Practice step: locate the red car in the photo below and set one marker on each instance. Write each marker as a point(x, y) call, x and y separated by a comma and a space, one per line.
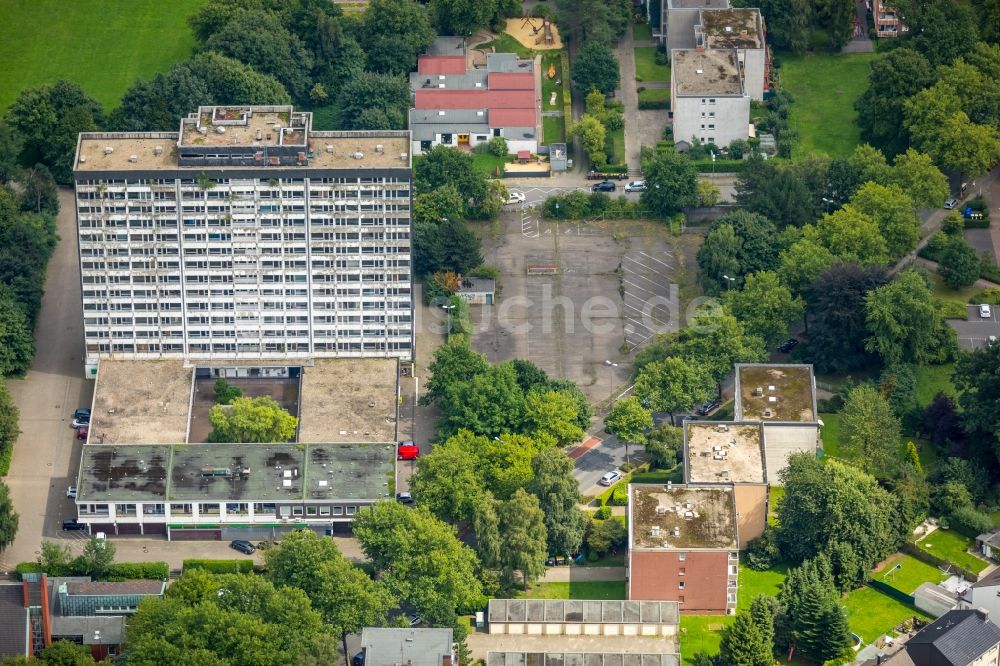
point(82, 432)
point(407, 451)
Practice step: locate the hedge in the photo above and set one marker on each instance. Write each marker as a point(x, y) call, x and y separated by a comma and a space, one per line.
point(220, 566)
point(982, 223)
point(612, 168)
point(654, 103)
point(27, 567)
point(719, 166)
point(137, 570)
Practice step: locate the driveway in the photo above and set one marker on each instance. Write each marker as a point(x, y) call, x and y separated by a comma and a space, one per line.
point(975, 333)
point(47, 454)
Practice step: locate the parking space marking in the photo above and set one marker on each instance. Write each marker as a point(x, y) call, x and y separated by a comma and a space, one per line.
point(645, 277)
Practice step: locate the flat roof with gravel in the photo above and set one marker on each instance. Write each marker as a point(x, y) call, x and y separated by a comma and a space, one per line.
point(257, 472)
point(775, 393)
point(141, 402)
point(678, 517)
point(348, 400)
point(708, 72)
point(733, 28)
point(723, 452)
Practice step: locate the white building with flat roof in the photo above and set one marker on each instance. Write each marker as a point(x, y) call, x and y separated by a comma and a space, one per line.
point(245, 235)
point(707, 96)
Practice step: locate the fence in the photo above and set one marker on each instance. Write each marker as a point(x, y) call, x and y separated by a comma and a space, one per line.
point(892, 592)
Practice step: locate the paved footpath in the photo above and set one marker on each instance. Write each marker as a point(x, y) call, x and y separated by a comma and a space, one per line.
point(576, 574)
point(629, 96)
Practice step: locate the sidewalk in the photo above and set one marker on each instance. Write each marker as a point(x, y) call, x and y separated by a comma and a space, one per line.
point(625, 52)
point(575, 574)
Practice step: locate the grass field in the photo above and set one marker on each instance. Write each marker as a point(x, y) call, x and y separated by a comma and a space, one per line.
point(932, 379)
point(488, 164)
point(103, 46)
point(617, 144)
point(774, 496)
point(701, 633)
point(641, 32)
point(952, 546)
point(646, 68)
point(549, 86)
point(507, 44)
point(614, 589)
point(754, 583)
point(830, 434)
point(871, 614)
point(825, 87)
point(655, 95)
point(911, 574)
point(553, 129)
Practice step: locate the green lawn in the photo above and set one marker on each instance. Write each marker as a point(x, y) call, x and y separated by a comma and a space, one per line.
point(507, 44)
point(617, 142)
point(655, 95)
point(754, 583)
point(825, 87)
point(549, 86)
point(553, 129)
point(701, 633)
point(871, 614)
point(614, 589)
point(952, 546)
point(488, 164)
point(646, 68)
point(830, 434)
point(911, 574)
point(103, 46)
point(774, 495)
point(932, 379)
point(953, 301)
point(641, 32)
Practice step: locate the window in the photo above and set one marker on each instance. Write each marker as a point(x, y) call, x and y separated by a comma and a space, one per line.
point(125, 509)
point(496, 131)
point(180, 509)
point(682, 556)
point(237, 508)
point(324, 511)
point(711, 126)
point(208, 509)
point(351, 510)
point(310, 511)
point(680, 585)
point(711, 101)
point(338, 510)
point(733, 570)
point(296, 510)
point(681, 572)
point(152, 509)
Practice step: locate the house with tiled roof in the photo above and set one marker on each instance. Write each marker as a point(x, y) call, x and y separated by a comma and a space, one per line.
point(458, 105)
point(957, 638)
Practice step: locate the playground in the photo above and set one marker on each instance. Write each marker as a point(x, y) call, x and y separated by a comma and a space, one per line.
point(535, 33)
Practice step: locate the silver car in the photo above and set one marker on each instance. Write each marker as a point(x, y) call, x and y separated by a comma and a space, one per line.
point(636, 186)
point(610, 478)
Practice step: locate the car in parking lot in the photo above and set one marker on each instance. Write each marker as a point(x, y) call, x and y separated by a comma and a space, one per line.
point(358, 659)
point(242, 546)
point(610, 478)
point(72, 524)
point(710, 406)
point(404, 498)
point(950, 203)
point(985, 311)
point(407, 450)
point(636, 186)
point(82, 413)
point(82, 432)
point(81, 421)
point(71, 492)
point(515, 197)
point(603, 186)
point(788, 345)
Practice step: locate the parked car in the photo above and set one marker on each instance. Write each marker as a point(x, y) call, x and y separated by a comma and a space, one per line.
point(407, 450)
point(72, 524)
point(81, 421)
point(82, 432)
point(985, 311)
point(82, 413)
point(358, 659)
point(515, 197)
point(788, 345)
point(950, 203)
point(707, 407)
point(636, 186)
point(242, 546)
point(404, 498)
point(413, 619)
point(603, 186)
point(610, 478)
point(71, 492)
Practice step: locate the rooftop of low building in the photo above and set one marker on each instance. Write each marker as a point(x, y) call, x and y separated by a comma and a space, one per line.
point(349, 400)
point(678, 517)
point(141, 402)
point(717, 452)
point(768, 392)
point(706, 72)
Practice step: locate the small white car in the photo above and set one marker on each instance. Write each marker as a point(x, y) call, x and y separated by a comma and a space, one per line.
point(985, 312)
point(71, 492)
point(610, 478)
point(515, 197)
point(992, 341)
point(636, 186)
point(950, 203)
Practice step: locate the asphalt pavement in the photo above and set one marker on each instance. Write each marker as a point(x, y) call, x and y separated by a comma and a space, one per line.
point(975, 332)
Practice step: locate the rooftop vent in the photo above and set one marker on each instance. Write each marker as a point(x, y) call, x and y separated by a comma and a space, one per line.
point(772, 398)
point(654, 531)
point(158, 150)
point(259, 135)
point(379, 148)
point(83, 158)
point(108, 150)
point(661, 510)
point(729, 29)
point(357, 155)
point(441, 113)
point(440, 85)
point(670, 485)
point(771, 388)
point(202, 130)
point(677, 532)
point(768, 413)
point(700, 71)
point(329, 148)
point(759, 391)
point(220, 130)
point(133, 158)
point(688, 515)
point(403, 156)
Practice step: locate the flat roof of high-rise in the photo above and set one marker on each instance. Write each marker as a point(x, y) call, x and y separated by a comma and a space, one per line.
point(679, 517)
point(773, 392)
point(723, 452)
point(732, 28)
point(707, 72)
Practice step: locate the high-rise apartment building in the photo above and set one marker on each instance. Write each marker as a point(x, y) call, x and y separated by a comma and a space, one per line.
point(245, 235)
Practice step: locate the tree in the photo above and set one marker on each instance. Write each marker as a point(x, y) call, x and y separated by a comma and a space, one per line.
point(763, 609)
point(65, 653)
point(558, 493)
point(777, 193)
point(446, 480)
point(17, 345)
point(97, 557)
point(11, 144)
point(374, 101)
point(827, 501)
point(490, 404)
point(591, 132)
point(40, 193)
point(905, 325)
point(8, 517)
point(629, 420)
point(258, 39)
point(593, 21)
point(749, 249)
point(852, 236)
point(503, 463)
point(246, 420)
point(228, 619)
point(958, 264)
point(393, 32)
point(595, 66)
point(894, 214)
point(454, 364)
point(225, 392)
point(55, 559)
point(802, 263)
point(461, 17)
point(718, 256)
point(716, 341)
point(941, 31)
point(917, 176)
point(670, 184)
point(552, 414)
point(977, 378)
point(941, 422)
point(839, 313)
point(835, 18)
point(9, 429)
point(522, 530)
point(871, 431)
point(486, 526)
point(743, 645)
point(673, 385)
point(708, 194)
point(49, 118)
point(341, 593)
point(445, 245)
point(663, 446)
point(765, 306)
point(421, 560)
point(939, 127)
point(787, 23)
point(606, 536)
point(442, 166)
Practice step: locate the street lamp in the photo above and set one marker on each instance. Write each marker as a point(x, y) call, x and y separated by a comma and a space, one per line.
point(611, 368)
point(448, 309)
point(728, 280)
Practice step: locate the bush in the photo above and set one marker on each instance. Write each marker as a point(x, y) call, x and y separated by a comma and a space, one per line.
point(603, 513)
point(541, 11)
point(485, 271)
point(645, 103)
point(498, 146)
point(762, 552)
point(220, 566)
point(834, 404)
point(990, 295)
point(27, 568)
point(619, 496)
point(970, 522)
point(139, 570)
point(719, 166)
point(661, 58)
point(978, 203)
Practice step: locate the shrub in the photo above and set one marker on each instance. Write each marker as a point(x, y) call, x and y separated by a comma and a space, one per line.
point(990, 295)
point(541, 11)
point(977, 203)
point(485, 271)
point(762, 552)
point(498, 146)
point(971, 522)
point(603, 513)
point(833, 404)
point(661, 58)
point(137, 570)
point(220, 566)
point(619, 496)
point(27, 567)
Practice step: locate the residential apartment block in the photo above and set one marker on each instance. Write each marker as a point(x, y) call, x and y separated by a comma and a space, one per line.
point(886, 19)
point(245, 235)
point(707, 97)
point(683, 546)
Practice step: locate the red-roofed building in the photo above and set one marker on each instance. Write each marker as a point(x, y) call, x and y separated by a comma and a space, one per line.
point(455, 106)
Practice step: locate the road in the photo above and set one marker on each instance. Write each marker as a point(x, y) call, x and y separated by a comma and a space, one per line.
point(47, 454)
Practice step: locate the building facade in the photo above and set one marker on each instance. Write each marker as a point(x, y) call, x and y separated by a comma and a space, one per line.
point(245, 234)
point(708, 99)
point(886, 19)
